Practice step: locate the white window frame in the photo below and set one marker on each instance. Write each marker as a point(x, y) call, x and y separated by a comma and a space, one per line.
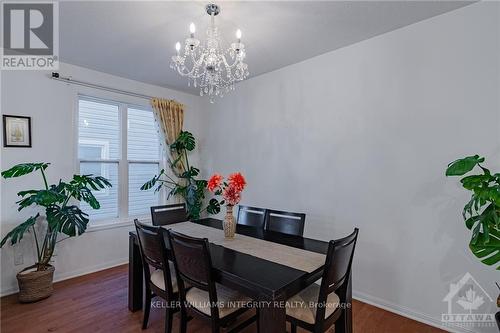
point(122, 161)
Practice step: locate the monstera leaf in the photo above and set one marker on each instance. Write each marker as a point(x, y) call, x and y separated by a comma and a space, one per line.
point(69, 220)
point(87, 196)
point(80, 188)
point(17, 233)
point(486, 246)
point(213, 206)
point(95, 183)
point(43, 198)
point(185, 141)
point(152, 182)
point(23, 169)
point(192, 172)
point(461, 166)
point(157, 179)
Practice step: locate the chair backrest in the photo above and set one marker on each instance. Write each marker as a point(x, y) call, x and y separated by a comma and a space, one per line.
point(168, 214)
point(337, 270)
point(193, 264)
point(285, 222)
point(153, 251)
point(192, 259)
point(251, 216)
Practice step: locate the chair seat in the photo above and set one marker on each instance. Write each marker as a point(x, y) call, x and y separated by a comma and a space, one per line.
point(157, 278)
point(229, 300)
point(302, 305)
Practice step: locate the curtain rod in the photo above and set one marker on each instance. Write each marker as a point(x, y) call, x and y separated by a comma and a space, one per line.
point(56, 76)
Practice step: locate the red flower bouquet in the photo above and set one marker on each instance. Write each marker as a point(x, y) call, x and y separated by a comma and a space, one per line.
point(231, 194)
point(230, 190)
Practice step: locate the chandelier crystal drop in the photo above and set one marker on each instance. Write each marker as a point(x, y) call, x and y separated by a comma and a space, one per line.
point(208, 65)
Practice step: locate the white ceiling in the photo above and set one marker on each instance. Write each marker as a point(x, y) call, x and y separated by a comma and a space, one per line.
point(135, 39)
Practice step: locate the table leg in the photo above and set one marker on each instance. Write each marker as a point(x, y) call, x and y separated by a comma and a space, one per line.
point(135, 275)
point(272, 318)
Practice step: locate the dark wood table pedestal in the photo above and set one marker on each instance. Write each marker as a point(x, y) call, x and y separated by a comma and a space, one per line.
point(272, 317)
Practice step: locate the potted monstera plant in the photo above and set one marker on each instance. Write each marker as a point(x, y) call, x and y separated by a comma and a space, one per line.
point(482, 212)
point(62, 216)
point(186, 182)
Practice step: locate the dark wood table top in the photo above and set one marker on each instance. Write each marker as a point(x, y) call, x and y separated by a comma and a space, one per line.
point(259, 278)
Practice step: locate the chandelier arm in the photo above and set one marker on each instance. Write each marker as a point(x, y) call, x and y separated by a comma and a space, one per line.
point(236, 61)
point(189, 73)
point(181, 73)
point(184, 73)
point(196, 64)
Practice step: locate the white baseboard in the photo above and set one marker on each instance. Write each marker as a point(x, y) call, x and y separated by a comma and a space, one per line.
point(72, 274)
point(408, 313)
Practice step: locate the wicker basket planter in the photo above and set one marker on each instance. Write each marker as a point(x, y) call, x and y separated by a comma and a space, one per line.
point(35, 285)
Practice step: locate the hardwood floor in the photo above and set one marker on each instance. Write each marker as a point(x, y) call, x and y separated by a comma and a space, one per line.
point(98, 303)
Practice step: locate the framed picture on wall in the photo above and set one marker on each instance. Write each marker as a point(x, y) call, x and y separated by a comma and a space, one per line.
point(16, 131)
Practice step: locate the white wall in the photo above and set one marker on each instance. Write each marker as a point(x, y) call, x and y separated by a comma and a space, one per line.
point(52, 108)
point(361, 137)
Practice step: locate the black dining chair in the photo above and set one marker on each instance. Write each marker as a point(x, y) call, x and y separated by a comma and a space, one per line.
point(251, 216)
point(159, 273)
point(168, 214)
point(285, 222)
point(206, 298)
point(317, 308)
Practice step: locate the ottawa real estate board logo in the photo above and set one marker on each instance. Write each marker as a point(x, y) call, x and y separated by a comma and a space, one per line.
point(30, 35)
point(469, 305)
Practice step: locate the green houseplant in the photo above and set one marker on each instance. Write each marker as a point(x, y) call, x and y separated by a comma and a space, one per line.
point(187, 184)
point(62, 216)
point(482, 212)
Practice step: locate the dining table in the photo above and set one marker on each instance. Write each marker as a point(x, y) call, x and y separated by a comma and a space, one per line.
point(263, 268)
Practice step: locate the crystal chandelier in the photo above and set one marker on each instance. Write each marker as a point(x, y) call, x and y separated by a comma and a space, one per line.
point(209, 66)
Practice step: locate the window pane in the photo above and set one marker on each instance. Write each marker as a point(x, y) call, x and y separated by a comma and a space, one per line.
point(143, 142)
point(108, 198)
point(98, 130)
point(89, 151)
point(141, 201)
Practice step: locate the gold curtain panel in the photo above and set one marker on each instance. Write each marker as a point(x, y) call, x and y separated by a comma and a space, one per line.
point(170, 116)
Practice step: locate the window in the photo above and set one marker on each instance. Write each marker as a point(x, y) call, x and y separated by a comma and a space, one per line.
point(143, 154)
point(120, 142)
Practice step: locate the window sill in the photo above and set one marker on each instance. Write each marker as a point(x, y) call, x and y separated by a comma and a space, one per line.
point(116, 223)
